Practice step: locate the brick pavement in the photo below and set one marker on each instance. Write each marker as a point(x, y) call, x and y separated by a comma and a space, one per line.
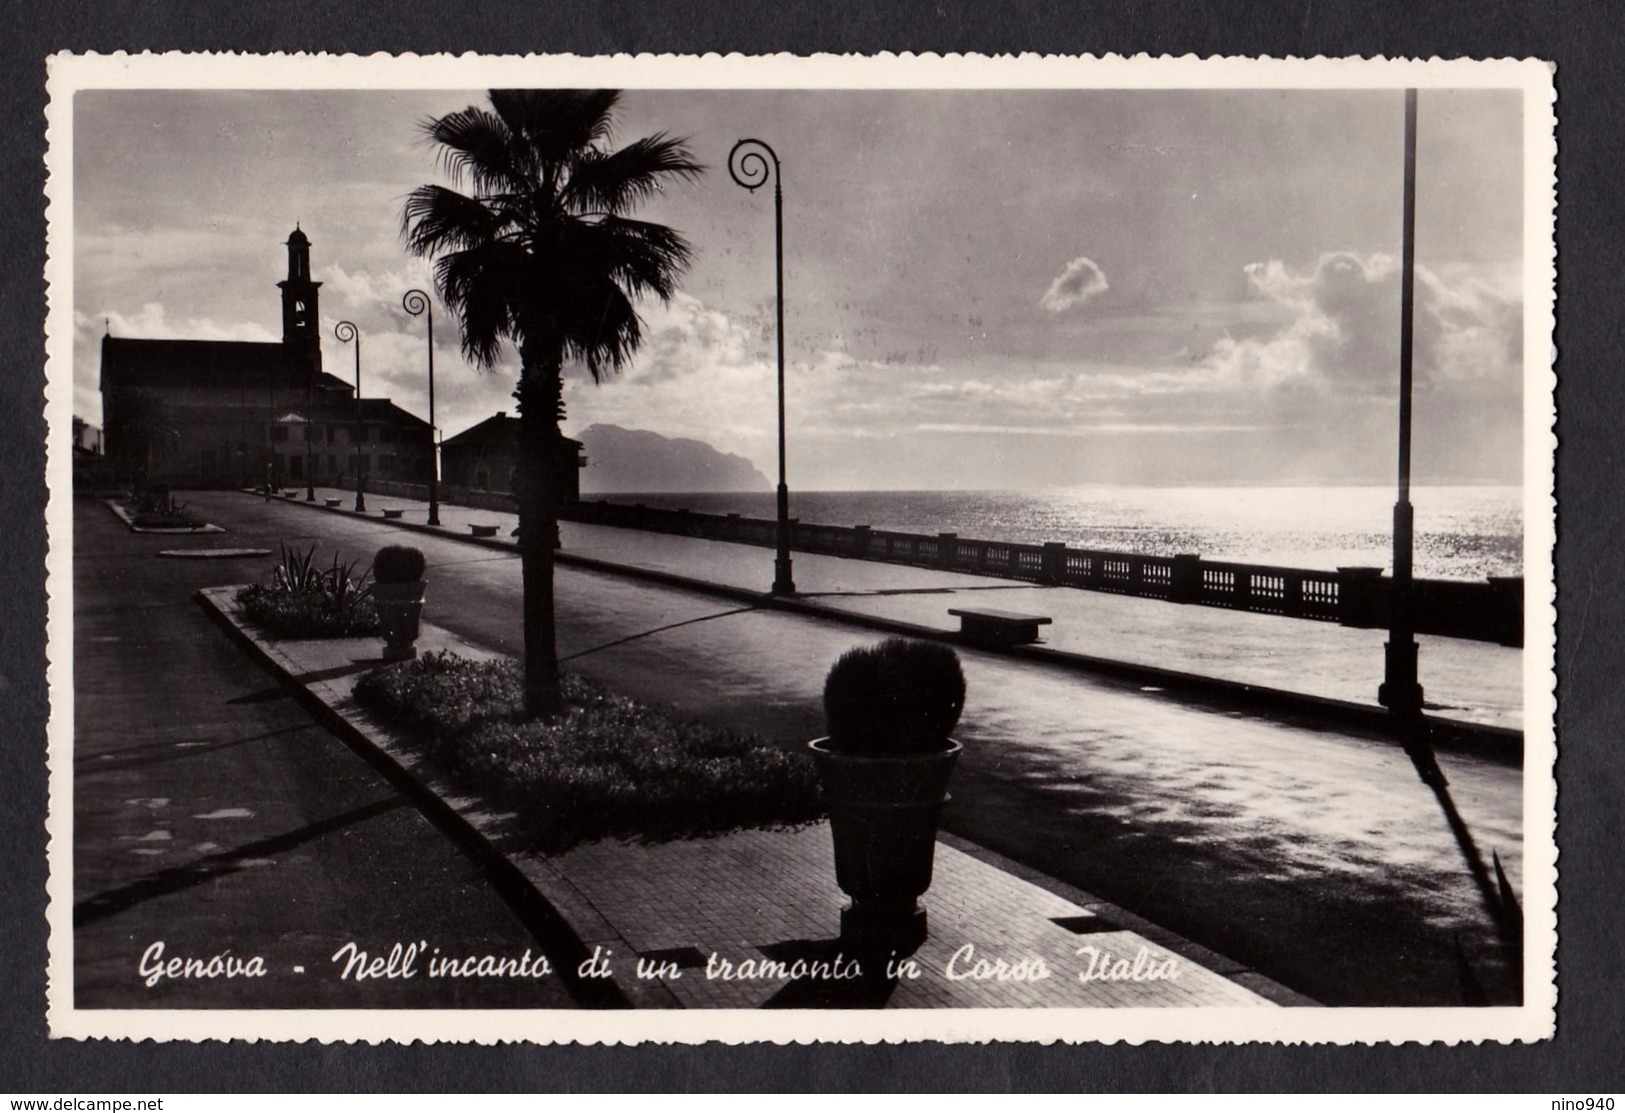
point(755, 895)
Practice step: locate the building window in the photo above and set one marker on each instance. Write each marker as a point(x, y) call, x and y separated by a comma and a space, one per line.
point(279, 433)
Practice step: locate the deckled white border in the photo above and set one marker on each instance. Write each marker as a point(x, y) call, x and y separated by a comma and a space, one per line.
point(1533, 1020)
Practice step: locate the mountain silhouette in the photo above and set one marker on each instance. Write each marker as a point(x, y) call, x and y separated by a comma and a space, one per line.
point(634, 460)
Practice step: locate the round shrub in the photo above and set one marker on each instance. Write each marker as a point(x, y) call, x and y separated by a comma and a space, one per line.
point(398, 564)
point(898, 697)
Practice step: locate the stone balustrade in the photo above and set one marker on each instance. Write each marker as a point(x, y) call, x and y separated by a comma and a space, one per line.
point(1484, 611)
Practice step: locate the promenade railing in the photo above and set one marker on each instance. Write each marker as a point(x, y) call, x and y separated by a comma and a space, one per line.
point(1488, 610)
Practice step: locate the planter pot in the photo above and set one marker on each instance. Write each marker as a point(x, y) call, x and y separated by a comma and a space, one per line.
point(883, 815)
point(400, 607)
point(393, 515)
point(331, 502)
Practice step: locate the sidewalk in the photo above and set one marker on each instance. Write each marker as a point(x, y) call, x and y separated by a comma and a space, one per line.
point(703, 909)
point(1469, 682)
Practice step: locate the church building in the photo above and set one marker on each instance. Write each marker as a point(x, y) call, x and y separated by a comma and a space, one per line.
point(225, 413)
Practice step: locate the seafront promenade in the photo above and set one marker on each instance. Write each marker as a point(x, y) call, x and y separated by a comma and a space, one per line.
point(1466, 681)
point(750, 919)
point(1284, 842)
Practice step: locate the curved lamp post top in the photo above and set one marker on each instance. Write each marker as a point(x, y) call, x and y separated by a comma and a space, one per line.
point(747, 164)
point(346, 332)
point(415, 302)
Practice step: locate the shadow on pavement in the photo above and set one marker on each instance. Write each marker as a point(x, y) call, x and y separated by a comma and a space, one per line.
point(205, 870)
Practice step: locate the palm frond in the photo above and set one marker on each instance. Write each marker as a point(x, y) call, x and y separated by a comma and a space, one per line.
point(540, 254)
point(487, 287)
point(436, 218)
point(613, 181)
point(476, 146)
point(607, 330)
point(556, 125)
point(646, 258)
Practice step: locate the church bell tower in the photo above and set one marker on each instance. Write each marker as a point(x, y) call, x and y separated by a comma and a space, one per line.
point(300, 323)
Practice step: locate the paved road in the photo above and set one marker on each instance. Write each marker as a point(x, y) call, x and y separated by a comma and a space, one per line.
point(1471, 681)
point(1313, 856)
point(212, 813)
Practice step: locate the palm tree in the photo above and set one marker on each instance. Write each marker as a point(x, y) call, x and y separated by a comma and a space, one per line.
point(539, 253)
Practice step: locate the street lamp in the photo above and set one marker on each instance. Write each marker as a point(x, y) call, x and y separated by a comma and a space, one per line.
point(416, 302)
point(1400, 692)
point(347, 332)
point(747, 165)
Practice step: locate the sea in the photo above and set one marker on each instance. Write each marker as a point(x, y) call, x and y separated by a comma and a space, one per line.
point(1462, 532)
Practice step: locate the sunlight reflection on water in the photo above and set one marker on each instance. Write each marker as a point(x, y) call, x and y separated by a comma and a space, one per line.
point(1461, 532)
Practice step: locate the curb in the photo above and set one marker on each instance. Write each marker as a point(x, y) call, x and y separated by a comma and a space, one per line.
point(1501, 744)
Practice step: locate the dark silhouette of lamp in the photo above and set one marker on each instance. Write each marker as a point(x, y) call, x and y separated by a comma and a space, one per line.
point(748, 166)
point(417, 302)
point(1400, 691)
point(346, 332)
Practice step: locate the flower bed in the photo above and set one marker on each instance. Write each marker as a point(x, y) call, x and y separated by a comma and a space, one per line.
point(607, 766)
point(156, 509)
point(304, 601)
point(306, 616)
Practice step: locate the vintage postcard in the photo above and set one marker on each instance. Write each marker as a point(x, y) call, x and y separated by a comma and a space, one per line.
point(843, 549)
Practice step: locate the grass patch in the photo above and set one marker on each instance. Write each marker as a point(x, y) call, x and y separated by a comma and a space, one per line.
point(608, 766)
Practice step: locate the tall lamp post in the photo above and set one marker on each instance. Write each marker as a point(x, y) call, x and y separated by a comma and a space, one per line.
point(1400, 692)
point(747, 165)
point(417, 302)
point(346, 332)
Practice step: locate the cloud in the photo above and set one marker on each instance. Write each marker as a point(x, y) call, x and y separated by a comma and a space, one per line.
point(367, 288)
point(1472, 325)
point(152, 322)
point(699, 373)
point(1080, 283)
point(1343, 329)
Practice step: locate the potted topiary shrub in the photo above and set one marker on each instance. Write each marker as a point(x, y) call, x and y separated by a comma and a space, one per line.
point(885, 766)
point(397, 589)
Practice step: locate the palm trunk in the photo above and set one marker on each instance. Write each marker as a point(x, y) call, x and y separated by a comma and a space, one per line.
point(540, 397)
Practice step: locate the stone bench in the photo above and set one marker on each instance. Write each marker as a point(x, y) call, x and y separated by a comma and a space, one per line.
point(998, 627)
point(393, 514)
point(331, 502)
point(482, 531)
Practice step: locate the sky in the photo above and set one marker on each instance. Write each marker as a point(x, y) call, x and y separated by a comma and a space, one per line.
point(988, 289)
